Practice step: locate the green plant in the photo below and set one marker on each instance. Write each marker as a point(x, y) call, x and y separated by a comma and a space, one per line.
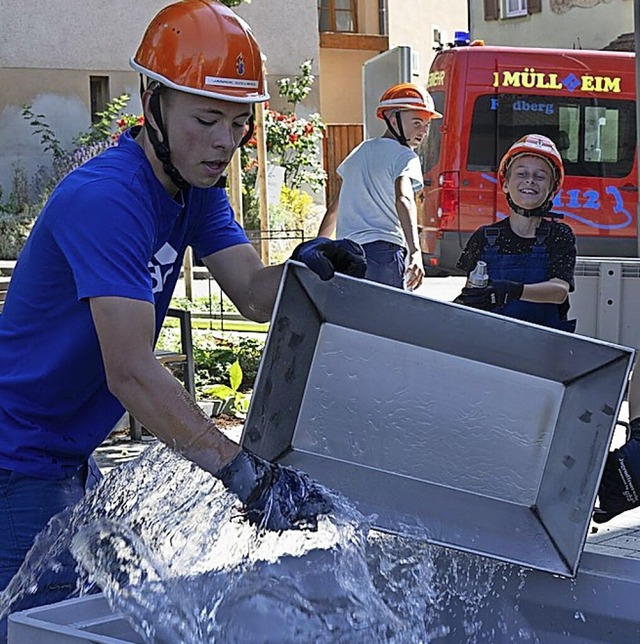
point(102, 130)
point(214, 352)
point(14, 230)
point(298, 203)
point(48, 139)
point(239, 400)
point(296, 90)
point(292, 142)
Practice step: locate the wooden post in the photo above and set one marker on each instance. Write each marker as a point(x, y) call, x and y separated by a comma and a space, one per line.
point(263, 203)
point(235, 185)
point(188, 274)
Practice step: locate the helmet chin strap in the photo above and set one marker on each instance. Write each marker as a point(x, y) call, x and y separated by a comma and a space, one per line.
point(161, 148)
point(398, 134)
point(538, 211)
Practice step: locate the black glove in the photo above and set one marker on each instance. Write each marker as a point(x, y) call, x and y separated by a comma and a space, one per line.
point(620, 485)
point(493, 296)
point(325, 257)
point(275, 497)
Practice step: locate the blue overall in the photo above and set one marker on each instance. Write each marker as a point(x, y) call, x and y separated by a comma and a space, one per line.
point(526, 268)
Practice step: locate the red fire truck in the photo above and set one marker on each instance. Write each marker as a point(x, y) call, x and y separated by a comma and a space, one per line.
point(490, 96)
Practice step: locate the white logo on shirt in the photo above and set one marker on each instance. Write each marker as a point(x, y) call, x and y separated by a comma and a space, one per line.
point(162, 266)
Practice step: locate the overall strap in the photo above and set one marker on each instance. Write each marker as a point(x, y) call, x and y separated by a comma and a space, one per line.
point(491, 235)
point(542, 232)
point(490, 252)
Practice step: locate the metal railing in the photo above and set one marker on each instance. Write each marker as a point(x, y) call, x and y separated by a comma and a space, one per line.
point(222, 314)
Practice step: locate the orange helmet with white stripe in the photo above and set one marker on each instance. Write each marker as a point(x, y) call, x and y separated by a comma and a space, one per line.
point(407, 96)
point(536, 145)
point(203, 47)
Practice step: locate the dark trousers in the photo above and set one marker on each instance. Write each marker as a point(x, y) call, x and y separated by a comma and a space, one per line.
point(26, 505)
point(385, 263)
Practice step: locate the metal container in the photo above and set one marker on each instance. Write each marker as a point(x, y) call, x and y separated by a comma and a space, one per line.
point(85, 619)
point(606, 301)
point(465, 428)
point(598, 606)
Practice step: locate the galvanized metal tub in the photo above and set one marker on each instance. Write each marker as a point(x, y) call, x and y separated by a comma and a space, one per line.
point(599, 605)
point(475, 431)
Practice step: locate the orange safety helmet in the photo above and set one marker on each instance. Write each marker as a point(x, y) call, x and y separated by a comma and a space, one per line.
point(202, 47)
point(407, 96)
point(536, 145)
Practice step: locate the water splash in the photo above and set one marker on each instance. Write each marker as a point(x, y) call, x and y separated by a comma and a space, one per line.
point(171, 551)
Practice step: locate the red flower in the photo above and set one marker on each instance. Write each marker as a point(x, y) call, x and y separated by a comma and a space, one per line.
point(253, 163)
point(293, 138)
point(140, 119)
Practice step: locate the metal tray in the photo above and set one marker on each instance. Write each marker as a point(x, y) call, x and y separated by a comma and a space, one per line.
point(467, 429)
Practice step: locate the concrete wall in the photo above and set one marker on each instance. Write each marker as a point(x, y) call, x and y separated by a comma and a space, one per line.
point(580, 27)
point(341, 84)
point(412, 23)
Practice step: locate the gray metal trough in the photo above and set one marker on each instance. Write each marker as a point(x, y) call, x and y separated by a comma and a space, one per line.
point(600, 605)
point(478, 432)
point(469, 430)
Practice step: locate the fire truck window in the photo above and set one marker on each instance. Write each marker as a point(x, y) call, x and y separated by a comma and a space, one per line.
point(601, 135)
point(568, 141)
point(595, 137)
point(482, 141)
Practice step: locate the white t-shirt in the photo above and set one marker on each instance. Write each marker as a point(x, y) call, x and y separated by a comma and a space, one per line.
point(366, 210)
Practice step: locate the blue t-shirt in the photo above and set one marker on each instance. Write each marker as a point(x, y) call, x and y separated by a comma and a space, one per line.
point(108, 229)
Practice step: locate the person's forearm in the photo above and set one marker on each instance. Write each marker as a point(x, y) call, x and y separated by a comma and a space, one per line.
point(158, 401)
point(262, 293)
point(408, 216)
point(545, 293)
point(328, 224)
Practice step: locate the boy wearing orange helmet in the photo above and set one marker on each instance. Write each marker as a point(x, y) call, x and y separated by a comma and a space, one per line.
point(97, 273)
point(530, 256)
point(375, 205)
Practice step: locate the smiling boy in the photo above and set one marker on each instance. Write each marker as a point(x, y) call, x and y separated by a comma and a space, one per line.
point(530, 256)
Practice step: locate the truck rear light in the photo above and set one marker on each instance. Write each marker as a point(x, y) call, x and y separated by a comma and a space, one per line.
point(448, 197)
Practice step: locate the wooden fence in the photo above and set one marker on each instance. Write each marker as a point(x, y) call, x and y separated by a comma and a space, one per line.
point(339, 140)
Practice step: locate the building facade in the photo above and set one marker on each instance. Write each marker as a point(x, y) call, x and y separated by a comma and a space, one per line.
point(564, 24)
point(66, 59)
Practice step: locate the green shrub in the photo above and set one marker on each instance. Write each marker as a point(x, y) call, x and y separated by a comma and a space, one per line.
point(214, 353)
point(239, 401)
point(14, 230)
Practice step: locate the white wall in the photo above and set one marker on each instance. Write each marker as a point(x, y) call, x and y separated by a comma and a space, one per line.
point(412, 23)
point(286, 30)
point(72, 34)
point(578, 27)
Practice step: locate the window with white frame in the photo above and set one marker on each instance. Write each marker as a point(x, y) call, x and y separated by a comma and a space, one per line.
point(514, 8)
